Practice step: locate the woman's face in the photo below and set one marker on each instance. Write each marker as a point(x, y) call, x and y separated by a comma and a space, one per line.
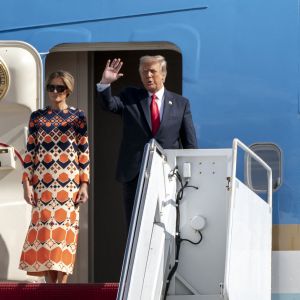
point(57, 91)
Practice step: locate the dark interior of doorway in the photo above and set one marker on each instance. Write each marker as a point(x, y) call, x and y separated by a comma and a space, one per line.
point(109, 223)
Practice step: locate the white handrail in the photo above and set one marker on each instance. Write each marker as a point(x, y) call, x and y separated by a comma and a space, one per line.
point(237, 143)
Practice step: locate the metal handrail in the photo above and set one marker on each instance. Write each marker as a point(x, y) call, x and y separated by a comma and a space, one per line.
point(150, 147)
point(237, 143)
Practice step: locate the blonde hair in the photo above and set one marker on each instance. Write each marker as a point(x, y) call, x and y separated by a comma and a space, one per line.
point(156, 59)
point(66, 77)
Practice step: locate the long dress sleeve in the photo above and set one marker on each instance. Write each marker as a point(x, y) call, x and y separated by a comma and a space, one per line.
point(30, 150)
point(83, 149)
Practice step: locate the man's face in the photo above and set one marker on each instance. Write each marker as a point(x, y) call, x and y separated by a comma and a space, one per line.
point(152, 77)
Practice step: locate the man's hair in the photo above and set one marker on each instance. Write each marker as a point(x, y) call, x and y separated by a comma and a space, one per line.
point(156, 59)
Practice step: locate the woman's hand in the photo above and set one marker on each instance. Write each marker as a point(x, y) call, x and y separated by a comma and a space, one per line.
point(28, 193)
point(82, 195)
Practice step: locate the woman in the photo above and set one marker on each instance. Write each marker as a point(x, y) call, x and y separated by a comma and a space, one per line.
point(55, 181)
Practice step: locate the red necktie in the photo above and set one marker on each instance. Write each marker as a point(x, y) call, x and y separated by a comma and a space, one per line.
point(155, 118)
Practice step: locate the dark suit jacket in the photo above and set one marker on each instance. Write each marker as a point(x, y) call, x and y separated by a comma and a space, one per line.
point(176, 128)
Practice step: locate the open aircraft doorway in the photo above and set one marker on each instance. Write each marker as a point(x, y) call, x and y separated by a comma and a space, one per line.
point(103, 233)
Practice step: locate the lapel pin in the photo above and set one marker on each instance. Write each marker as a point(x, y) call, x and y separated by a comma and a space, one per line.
point(170, 102)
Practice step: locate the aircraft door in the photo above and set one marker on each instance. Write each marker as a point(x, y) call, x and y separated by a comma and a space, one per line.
point(20, 94)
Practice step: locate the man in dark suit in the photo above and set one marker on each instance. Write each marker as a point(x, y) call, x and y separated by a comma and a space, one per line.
point(152, 112)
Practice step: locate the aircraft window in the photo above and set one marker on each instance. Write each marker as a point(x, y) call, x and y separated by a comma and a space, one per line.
point(256, 175)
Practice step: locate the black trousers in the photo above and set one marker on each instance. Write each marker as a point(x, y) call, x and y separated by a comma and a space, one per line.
point(129, 190)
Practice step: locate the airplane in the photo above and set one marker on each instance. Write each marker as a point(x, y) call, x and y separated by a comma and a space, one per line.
point(236, 62)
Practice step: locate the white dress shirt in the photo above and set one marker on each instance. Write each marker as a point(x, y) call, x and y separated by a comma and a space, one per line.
point(102, 86)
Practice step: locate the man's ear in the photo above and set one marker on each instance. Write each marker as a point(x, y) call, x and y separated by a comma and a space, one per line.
point(164, 78)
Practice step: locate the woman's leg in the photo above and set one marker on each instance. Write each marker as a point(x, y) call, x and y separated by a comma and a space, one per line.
point(62, 277)
point(51, 276)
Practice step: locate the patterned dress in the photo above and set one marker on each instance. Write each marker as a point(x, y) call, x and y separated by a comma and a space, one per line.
point(56, 163)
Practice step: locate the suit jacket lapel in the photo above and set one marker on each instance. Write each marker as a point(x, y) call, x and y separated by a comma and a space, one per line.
point(168, 104)
point(146, 108)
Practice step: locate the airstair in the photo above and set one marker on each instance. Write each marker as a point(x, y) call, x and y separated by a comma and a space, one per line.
point(197, 232)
